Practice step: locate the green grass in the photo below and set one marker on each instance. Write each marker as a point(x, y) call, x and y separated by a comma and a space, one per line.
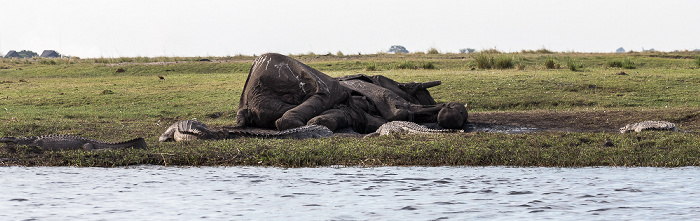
point(406, 65)
point(573, 66)
point(541, 149)
point(628, 64)
point(87, 97)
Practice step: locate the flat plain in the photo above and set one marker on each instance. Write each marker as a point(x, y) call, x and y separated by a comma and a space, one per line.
point(577, 100)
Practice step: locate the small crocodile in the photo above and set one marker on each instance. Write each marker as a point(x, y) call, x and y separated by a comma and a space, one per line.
point(193, 130)
point(648, 125)
point(407, 127)
point(70, 142)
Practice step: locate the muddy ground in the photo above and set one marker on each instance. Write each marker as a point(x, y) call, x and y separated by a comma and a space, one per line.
point(687, 119)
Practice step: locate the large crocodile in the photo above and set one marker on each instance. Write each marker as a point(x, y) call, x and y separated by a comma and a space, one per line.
point(193, 130)
point(408, 127)
point(70, 142)
point(648, 125)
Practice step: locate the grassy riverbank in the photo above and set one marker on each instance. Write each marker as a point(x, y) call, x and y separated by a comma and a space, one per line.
point(581, 109)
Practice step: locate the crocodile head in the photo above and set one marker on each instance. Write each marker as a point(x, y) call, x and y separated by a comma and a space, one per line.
point(8, 140)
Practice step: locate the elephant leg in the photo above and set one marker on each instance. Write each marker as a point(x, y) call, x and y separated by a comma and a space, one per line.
point(333, 119)
point(312, 107)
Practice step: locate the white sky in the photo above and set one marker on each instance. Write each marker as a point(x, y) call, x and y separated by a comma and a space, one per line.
point(126, 28)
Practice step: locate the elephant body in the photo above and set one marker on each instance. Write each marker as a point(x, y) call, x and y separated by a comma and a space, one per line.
point(283, 93)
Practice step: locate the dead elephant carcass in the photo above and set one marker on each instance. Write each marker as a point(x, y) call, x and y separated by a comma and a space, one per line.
point(283, 93)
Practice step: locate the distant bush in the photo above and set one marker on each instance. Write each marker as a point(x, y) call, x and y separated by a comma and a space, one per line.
point(549, 63)
point(339, 53)
point(27, 54)
point(433, 51)
point(398, 49)
point(697, 60)
point(466, 50)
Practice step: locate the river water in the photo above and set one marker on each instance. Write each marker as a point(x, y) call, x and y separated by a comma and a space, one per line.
point(348, 193)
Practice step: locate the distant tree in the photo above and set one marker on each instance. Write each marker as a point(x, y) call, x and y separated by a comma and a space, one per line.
point(398, 49)
point(467, 50)
point(27, 54)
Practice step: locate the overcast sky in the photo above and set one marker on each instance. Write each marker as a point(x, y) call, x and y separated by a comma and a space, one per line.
point(126, 28)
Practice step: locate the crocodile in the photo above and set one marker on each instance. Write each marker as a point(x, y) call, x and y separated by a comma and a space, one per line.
point(70, 142)
point(648, 125)
point(395, 127)
point(187, 130)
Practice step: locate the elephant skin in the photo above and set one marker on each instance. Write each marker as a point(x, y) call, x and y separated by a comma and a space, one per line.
point(283, 93)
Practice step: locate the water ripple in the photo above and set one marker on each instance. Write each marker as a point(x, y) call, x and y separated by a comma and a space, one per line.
point(348, 193)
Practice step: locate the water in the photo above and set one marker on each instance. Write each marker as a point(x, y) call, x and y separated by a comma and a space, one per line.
point(348, 193)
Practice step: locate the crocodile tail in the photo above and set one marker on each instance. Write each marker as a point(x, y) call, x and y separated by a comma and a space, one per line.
point(136, 143)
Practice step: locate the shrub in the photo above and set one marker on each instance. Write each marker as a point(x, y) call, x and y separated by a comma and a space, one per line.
point(503, 62)
point(483, 61)
point(628, 64)
point(339, 53)
point(697, 60)
point(549, 63)
point(433, 51)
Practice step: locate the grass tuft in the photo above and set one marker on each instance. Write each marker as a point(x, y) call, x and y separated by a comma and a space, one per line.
point(573, 66)
point(503, 62)
point(549, 63)
point(483, 61)
point(371, 67)
point(628, 64)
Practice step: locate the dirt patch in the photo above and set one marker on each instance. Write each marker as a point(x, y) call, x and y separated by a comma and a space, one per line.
point(587, 121)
